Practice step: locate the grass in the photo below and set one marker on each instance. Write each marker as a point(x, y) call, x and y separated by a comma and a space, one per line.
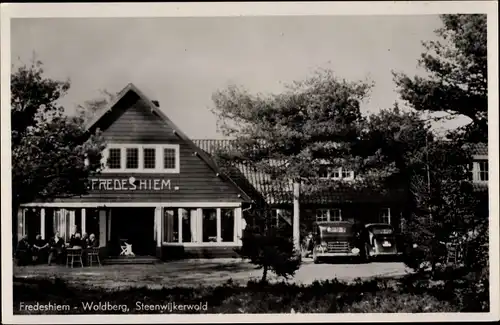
point(320, 297)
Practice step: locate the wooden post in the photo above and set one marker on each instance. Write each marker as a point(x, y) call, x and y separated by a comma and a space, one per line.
point(84, 220)
point(42, 223)
point(219, 225)
point(102, 228)
point(179, 224)
point(296, 216)
point(158, 222)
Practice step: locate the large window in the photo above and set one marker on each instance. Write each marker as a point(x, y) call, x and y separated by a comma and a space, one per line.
point(150, 158)
point(200, 226)
point(328, 215)
point(209, 223)
point(189, 225)
point(171, 226)
point(227, 225)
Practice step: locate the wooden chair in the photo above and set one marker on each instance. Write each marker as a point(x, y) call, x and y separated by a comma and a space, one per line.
point(93, 256)
point(126, 248)
point(74, 255)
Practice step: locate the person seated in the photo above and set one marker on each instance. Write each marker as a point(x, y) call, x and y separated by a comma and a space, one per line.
point(23, 251)
point(76, 241)
point(92, 241)
point(85, 240)
point(40, 249)
point(56, 244)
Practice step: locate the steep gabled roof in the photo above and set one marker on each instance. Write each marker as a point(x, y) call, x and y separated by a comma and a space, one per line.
point(177, 131)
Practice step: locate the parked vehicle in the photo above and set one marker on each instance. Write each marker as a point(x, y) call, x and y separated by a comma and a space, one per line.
point(336, 239)
point(380, 240)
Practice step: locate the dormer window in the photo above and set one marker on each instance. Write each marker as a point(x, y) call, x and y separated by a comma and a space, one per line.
point(149, 158)
point(330, 172)
point(138, 158)
point(132, 158)
point(114, 161)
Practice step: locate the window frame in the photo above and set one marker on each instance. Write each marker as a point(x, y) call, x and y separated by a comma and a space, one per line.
point(159, 158)
point(381, 215)
point(329, 217)
point(196, 239)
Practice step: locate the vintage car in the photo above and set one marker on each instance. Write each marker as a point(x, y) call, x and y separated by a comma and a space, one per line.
point(335, 239)
point(380, 240)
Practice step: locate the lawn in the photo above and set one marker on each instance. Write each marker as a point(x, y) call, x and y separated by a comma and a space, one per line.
point(195, 272)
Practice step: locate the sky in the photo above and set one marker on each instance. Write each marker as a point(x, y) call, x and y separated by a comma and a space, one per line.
point(181, 61)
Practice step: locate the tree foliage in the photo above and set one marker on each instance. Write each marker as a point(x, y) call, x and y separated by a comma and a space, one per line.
point(33, 98)
point(52, 153)
point(457, 81)
point(91, 108)
point(269, 246)
point(291, 134)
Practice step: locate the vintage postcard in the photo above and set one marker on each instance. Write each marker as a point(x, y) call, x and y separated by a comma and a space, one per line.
point(236, 162)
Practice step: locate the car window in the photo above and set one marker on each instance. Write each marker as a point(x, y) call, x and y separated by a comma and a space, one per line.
point(382, 231)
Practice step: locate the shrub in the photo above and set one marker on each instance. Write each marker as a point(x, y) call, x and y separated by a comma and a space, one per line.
point(271, 248)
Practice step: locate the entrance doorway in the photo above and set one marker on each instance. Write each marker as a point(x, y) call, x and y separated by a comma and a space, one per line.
point(136, 226)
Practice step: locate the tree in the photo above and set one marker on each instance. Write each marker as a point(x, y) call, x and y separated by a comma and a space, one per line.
point(292, 134)
point(456, 82)
point(33, 97)
point(269, 246)
point(399, 147)
point(52, 153)
point(289, 136)
point(91, 108)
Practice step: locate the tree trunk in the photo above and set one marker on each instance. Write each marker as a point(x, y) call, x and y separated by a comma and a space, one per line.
point(264, 275)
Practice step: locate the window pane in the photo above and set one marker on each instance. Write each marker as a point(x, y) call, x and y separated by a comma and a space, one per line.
point(132, 158)
point(209, 233)
point(149, 158)
point(323, 172)
point(346, 173)
point(321, 215)
point(385, 215)
point(335, 173)
point(171, 226)
point(114, 160)
point(188, 225)
point(169, 158)
point(483, 170)
point(335, 215)
point(227, 225)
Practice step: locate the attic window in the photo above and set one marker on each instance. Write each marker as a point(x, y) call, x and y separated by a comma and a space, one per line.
point(114, 161)
point(132, 158)
point(137, 158)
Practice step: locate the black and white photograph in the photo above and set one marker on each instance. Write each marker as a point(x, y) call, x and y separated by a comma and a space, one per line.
point(187, 160)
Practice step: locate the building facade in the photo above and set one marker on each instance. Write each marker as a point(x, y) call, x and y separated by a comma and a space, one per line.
point(158, 192)
point(163, 193)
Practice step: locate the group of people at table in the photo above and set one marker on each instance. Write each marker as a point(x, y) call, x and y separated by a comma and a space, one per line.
point(54, 250)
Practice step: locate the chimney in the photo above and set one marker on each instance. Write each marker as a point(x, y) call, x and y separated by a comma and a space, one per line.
point(157, 103)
